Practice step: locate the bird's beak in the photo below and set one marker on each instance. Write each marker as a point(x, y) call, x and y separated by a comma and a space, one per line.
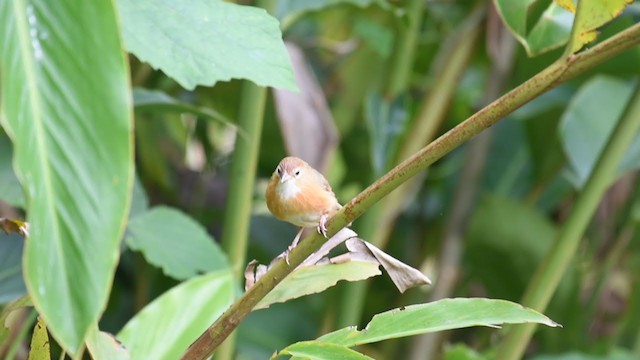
point(285, 177)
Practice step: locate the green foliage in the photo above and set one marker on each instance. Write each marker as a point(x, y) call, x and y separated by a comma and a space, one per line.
point(439, 315)
point(587, 125)
point(173, 241)
point(166, 327)
point(171, 37)
point(315, 279)
point(70, 122)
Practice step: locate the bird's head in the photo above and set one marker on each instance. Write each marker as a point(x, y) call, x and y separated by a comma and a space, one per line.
point(290, 169)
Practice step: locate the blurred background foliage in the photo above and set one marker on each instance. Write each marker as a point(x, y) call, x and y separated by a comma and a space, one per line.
point(381, 80)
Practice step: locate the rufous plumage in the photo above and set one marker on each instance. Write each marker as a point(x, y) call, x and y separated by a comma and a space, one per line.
point(299, 194)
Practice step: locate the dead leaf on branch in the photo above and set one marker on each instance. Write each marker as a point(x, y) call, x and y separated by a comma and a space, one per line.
point(14, 226)
point(319, 272)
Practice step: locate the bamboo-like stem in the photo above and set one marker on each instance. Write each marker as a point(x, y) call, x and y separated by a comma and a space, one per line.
point(406, 49)
point(235, 235)
point(551, 270)
point(553, 75)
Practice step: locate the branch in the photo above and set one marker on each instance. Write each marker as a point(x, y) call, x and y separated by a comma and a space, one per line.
point(553, 75)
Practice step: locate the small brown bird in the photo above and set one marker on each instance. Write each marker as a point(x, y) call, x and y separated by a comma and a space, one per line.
point(299, 194)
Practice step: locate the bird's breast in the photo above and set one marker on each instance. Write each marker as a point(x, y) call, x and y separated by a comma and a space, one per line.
point(300, 204)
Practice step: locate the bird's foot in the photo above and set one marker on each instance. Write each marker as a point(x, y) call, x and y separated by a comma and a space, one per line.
point(322, 227)
point(292, 246)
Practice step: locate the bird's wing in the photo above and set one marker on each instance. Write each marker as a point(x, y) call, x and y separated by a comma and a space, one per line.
point(323, 181)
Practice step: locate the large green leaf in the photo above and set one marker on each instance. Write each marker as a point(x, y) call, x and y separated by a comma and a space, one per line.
point(104, 346)
point(173, 241)
point(587, 124)
point(201, 42)
point(538, 35)
point(439, 315)
point(313, 279)
point(66, 107)
point(10, 190)
point(591, 15)
point(553, 28)
point(166, 327)
point(40, 348)
point(313, 350)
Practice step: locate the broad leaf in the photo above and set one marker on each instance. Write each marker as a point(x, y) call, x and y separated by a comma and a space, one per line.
point(166, 327)
point(315, 350)
point(66, 107)
point(586, 126)
point(592, 14)
point(386, 121)
point(439, 315)
point(205, 41)
point(40, 347)
point(317, 278)
point(146, 100)
point(104, 346)
point(551, 30)
point(10, 190)
point(174, 242)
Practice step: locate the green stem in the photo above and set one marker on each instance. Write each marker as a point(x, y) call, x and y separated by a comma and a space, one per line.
point(241, 183)
point(551, 270)
point(553, 75)
point(406, 49)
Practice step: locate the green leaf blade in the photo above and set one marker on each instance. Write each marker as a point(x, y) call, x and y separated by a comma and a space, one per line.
point(207, 41)
point(308, 280)
point(586, 125)
point(173, 241)
point(315, 350)
point(166, 327)
point(68, 114)
point(440, 315)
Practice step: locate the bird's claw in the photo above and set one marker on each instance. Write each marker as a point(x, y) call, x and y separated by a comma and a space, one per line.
point(322, 227)
point(286, 254)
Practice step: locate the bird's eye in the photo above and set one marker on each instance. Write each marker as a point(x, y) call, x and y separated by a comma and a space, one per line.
point(297, 172)
point(278, 170)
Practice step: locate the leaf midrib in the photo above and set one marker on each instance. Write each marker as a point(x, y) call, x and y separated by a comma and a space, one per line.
point(35, 104)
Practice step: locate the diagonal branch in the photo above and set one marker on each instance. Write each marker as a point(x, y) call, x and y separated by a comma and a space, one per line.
point(558, 72)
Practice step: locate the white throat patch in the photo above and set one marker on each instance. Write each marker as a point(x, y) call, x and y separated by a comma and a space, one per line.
point(288, 189)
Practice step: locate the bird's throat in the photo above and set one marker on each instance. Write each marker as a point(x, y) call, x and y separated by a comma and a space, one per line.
point(288, 190)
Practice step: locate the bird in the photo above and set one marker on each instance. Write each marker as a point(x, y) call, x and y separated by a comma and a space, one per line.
point(299, 194)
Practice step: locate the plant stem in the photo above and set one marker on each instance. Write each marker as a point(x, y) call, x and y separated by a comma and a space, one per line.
point(553, 75)
point(551, 270)
point(406, 49)
point(241, 183)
